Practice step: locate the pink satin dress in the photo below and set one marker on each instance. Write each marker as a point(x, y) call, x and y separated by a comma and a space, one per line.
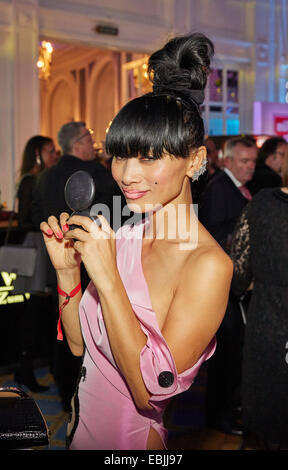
point(105, 416)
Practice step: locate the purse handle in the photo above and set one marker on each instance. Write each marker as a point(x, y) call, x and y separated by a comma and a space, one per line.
point(12, 391)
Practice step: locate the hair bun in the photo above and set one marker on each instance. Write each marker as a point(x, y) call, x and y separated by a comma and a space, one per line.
point(182, 66)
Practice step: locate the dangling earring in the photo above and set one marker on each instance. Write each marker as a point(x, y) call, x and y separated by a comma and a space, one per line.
point(201, 170)
point(38, 160)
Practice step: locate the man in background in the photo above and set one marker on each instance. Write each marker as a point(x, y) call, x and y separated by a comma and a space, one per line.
point(226, 194)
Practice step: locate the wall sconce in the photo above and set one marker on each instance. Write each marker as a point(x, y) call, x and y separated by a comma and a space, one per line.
point(44, 60)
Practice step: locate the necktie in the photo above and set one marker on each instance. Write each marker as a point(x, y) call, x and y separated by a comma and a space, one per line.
point(246, 193)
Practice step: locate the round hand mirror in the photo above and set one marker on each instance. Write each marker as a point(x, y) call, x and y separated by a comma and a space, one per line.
point(79, 194)
point(79, 191)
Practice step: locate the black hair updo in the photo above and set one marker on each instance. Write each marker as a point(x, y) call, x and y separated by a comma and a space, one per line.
point(168, 119)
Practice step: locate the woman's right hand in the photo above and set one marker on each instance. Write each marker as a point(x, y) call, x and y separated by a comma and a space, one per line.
point(61, 252)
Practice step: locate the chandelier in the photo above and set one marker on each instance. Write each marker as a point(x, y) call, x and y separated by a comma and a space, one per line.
point(44, 60)
point(141, 77)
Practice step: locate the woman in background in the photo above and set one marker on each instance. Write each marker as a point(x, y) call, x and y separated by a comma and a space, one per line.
point(39, 153)
point(260, 255)
point(267, 172)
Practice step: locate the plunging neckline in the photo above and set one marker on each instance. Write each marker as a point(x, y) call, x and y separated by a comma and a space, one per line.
point(144, 281)
point(143, 297)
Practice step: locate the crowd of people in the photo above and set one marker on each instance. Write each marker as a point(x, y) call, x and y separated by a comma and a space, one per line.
point(244, 207)
point(243, 217)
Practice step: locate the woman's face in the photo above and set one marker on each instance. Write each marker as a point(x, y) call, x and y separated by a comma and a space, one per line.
point(147, 182)
point(49, 155)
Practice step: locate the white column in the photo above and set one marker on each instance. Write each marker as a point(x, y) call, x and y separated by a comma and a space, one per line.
point(20, 108)
point(7, 149)
point(26, 83)
point(272, 51)
point(267, 46)
point(283, 52)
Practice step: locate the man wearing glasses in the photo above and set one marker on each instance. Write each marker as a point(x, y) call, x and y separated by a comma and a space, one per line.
point(268, 165)
point(77, 148)
point(78, 153)
point(84, 144)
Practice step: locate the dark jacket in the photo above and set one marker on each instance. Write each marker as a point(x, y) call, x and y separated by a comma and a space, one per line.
point(221, 206)
point(264, 177)
point(25, 196)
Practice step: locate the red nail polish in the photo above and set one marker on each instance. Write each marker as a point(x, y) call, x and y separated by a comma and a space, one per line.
point(59, 235)
point(65, 228)
point(49, 231)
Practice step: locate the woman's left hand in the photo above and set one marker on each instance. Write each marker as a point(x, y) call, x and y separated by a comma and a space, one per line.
point(97, 247)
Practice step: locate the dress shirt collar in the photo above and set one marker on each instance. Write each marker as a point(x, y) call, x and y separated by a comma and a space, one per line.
point(232, 177)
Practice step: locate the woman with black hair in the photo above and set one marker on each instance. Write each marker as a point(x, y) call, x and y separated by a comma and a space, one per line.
point(39, 153)
point(159, 287)
point(260, 257)
point(268, 165)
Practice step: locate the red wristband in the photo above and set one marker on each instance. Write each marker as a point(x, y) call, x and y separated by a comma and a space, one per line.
point(68, 297)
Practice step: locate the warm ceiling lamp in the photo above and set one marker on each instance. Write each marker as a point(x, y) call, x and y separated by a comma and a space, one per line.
point(44, 59)
point(142, 80)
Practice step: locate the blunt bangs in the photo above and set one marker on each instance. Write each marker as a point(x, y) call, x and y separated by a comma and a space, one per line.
point(150, 125)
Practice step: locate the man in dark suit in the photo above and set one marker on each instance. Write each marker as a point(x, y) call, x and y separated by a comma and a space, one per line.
point(224, 198)
point(78, 153)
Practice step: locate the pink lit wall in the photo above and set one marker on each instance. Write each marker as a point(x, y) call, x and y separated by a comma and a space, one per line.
point(270, 119)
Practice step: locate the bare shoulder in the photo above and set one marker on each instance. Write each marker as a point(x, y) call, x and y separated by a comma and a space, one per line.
point(208, 263)
point(212, 255)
